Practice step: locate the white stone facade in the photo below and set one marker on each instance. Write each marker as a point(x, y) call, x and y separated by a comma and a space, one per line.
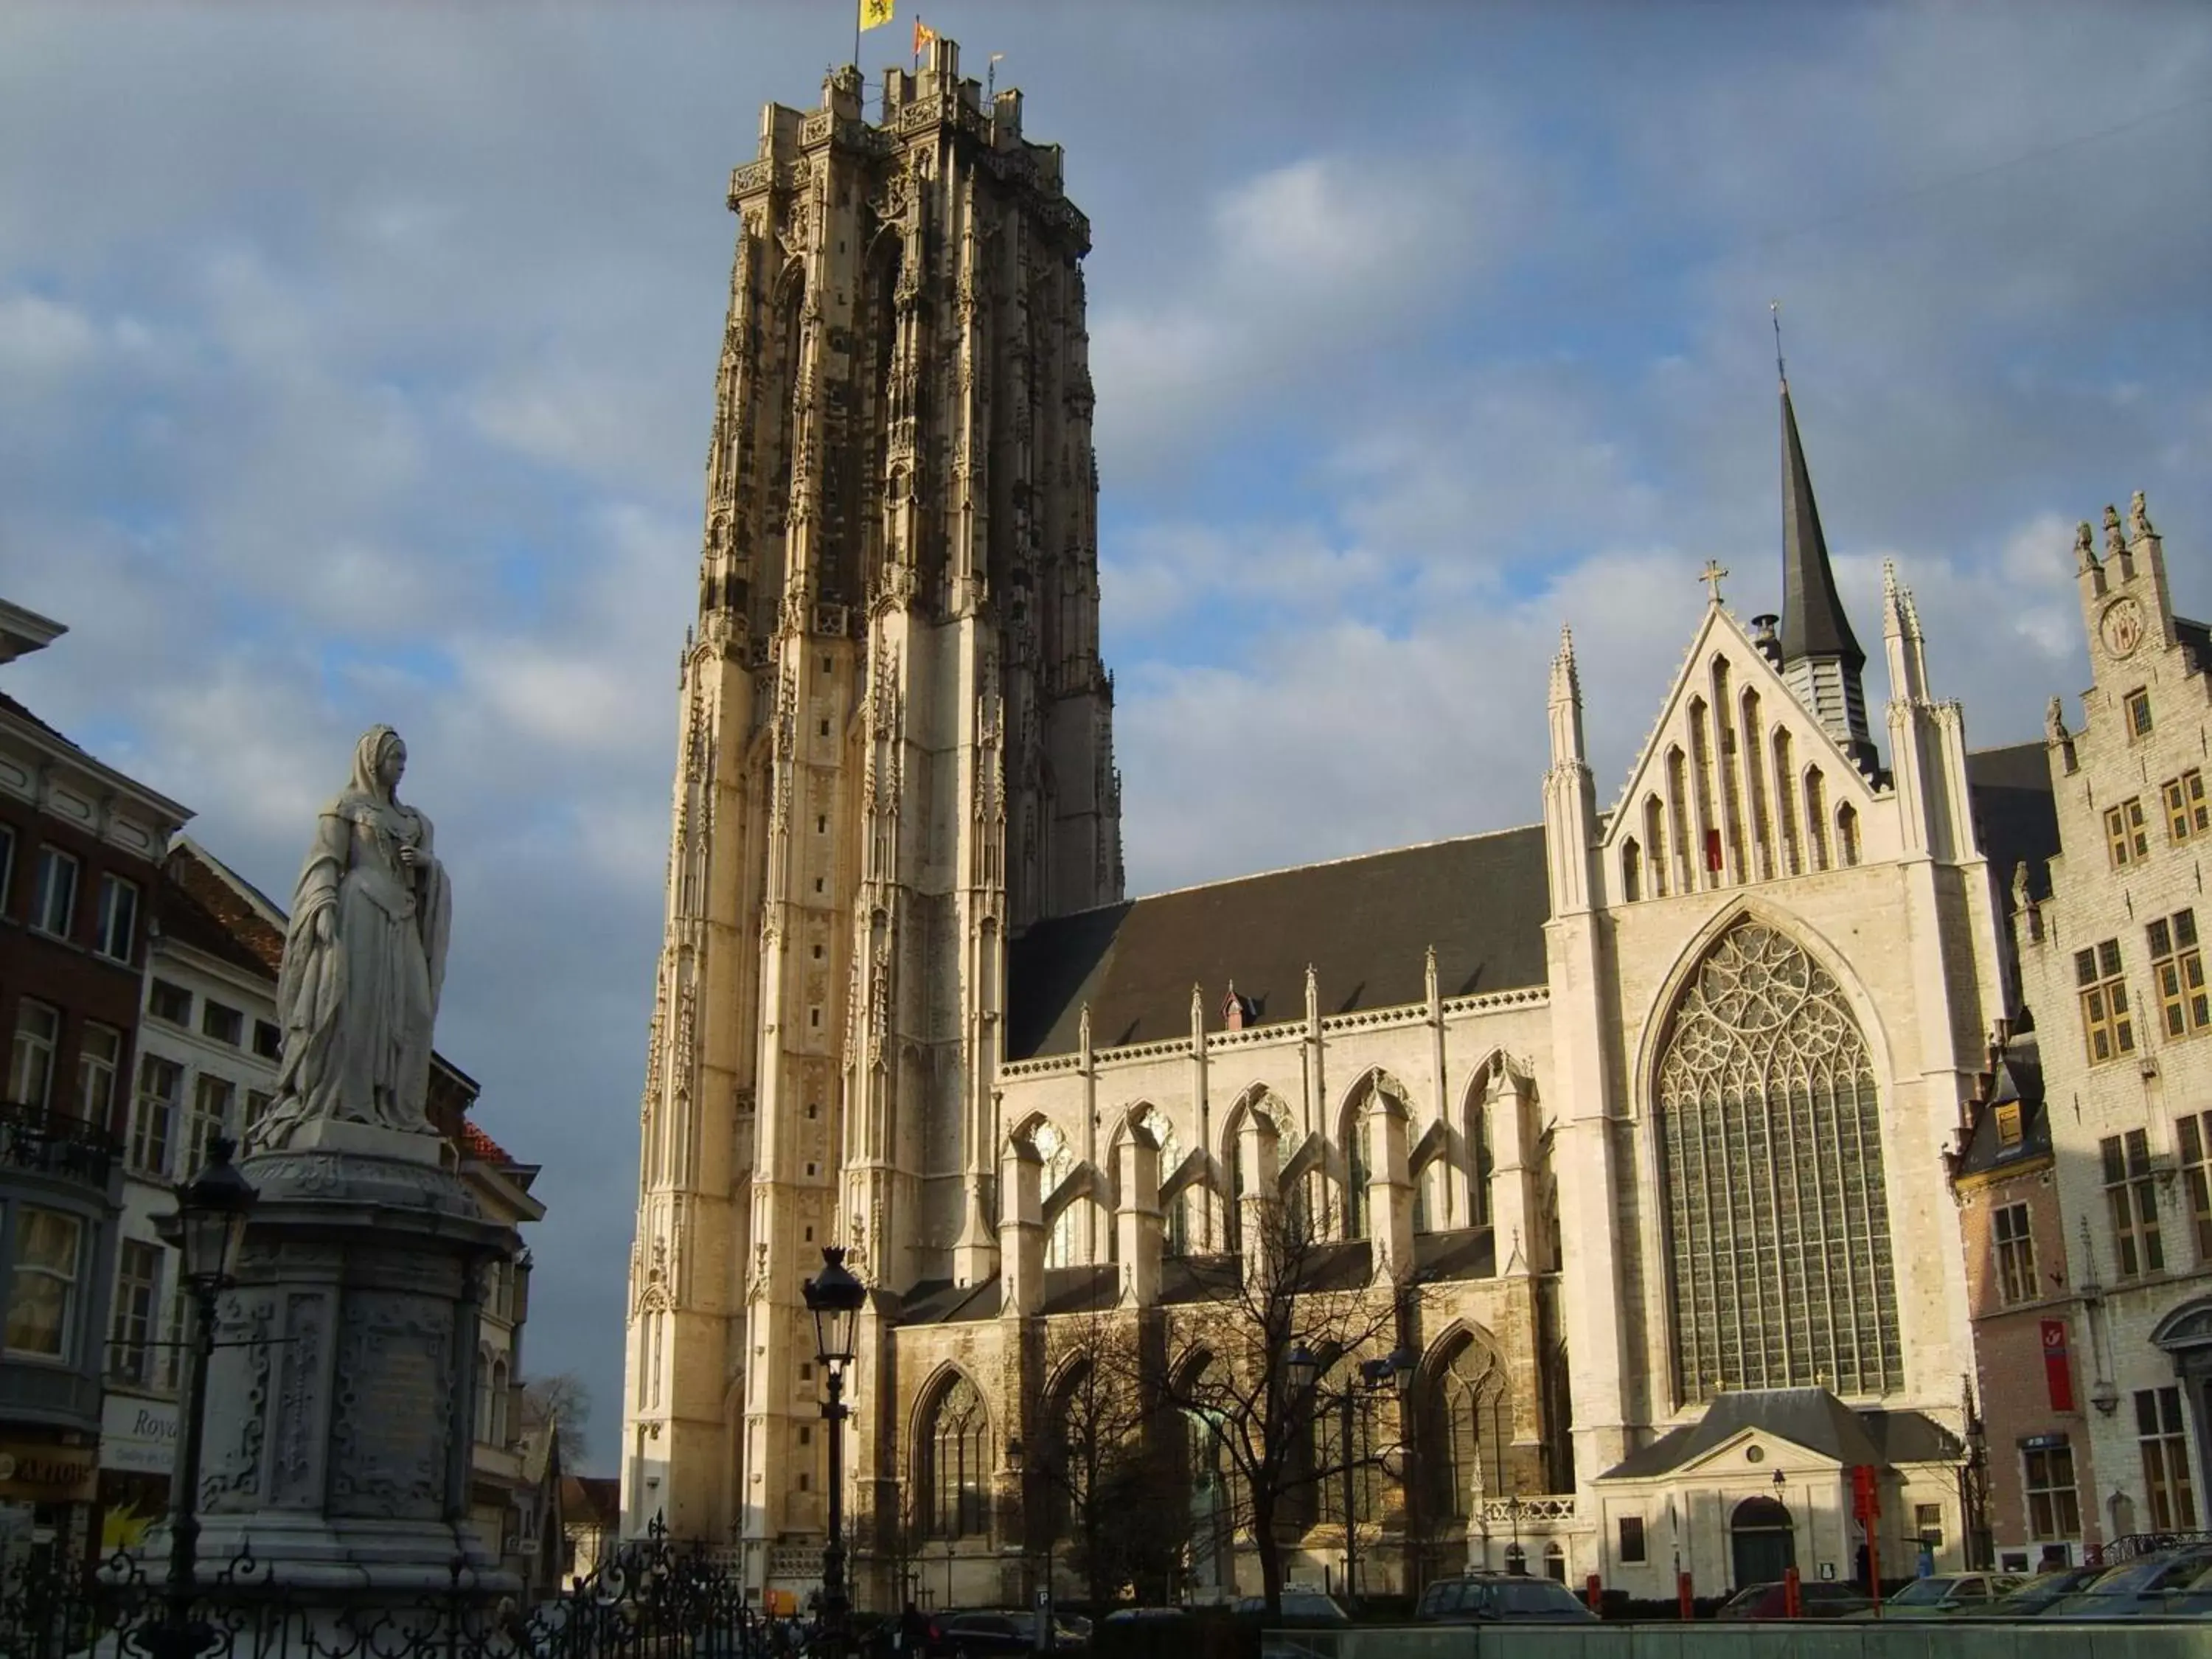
point(2126, 1069)
point(893, 920)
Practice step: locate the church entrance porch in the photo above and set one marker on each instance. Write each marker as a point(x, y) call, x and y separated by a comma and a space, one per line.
point(1762, 1540)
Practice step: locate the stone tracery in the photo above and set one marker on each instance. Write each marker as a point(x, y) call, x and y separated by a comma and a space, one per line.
point(1783, 1281)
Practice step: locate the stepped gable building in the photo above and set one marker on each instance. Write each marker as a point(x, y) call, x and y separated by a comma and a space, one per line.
point(2107, 1254)
point(1640, 1110)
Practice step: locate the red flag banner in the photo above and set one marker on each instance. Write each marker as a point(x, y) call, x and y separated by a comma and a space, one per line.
point(2057, 1367)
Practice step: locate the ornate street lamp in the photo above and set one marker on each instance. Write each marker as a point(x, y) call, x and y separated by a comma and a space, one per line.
point(207, 1228)
point(834, 1298)
point(1394, 1370)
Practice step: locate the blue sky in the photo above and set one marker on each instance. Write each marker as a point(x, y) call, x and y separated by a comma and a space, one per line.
point(356, 366)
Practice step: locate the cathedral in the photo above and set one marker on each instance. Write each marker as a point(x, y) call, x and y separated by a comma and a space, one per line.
point(1638, 1115)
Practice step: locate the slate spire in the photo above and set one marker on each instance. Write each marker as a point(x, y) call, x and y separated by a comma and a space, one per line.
point(1820, 655)
point(1813, 620)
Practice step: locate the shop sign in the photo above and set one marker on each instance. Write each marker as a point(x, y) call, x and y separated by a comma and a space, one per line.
point(31, 1473)
point(137, 1434)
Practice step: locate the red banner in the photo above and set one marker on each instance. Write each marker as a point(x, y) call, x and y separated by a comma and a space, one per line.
point(2057, 1370)
point(1866, 1496)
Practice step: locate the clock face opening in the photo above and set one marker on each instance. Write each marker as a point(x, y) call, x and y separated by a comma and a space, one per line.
point(2121, 626)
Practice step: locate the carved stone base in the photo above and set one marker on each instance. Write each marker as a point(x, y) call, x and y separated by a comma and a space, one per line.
point(341, 1393)
point(369, 1140)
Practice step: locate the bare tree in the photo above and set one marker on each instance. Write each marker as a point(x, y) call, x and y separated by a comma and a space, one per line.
point(1230, 1377)
point(563, 1399)
point(1108, 1485)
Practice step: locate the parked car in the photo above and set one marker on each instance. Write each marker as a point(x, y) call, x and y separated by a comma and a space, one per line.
point(2038, 1595)
point(983, 1632)
point(1481, 1598)
point(2143, 1588)
point(1943, 1593)
point(1300, 1608)
point(1818, 1598)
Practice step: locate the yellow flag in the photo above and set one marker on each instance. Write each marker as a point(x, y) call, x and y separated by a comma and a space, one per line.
point(923, 34)
point(874, 14)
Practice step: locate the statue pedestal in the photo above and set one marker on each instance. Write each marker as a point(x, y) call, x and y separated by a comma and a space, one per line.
point(341, 1394)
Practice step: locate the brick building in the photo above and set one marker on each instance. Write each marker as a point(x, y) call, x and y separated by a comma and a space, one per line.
point(2036, 1444)
point(80, 845)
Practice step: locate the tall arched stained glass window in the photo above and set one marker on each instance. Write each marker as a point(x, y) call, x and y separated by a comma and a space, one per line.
point(1779, 1268)
point(1466, 1428)
point(956, 1447)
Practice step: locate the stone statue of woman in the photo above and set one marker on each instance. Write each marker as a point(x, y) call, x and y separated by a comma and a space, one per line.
point(364, 959)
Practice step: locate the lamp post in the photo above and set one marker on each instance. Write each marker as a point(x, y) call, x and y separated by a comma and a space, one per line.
point(208, 1227)
point(1517, 1559)
point(1393, 1370)
point(834, 1298)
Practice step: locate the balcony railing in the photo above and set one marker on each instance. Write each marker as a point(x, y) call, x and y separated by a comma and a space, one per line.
point(53, 1143)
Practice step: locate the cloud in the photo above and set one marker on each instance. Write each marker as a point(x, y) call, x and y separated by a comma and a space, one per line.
point(1297, 269)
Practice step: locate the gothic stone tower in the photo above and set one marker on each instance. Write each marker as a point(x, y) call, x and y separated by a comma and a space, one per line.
point(895, 751)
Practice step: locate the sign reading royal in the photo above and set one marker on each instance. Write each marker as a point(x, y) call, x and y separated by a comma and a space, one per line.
point(137, 1434)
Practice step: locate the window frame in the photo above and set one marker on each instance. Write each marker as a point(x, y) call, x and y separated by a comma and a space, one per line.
point(2193, 1147)
point(2162, 1446)
point(157, 991)
point(2014, 1249)
point(1628, 1555)
point(232, 1020)
point(2188, 813)
point(204, 1125)
point(2177, 974)
point(19, 1268)
point(112, 889)
point(142, 1138)
point(2052, 1501)
point(89, 1063)
point(52, 858)
point(22, 1044)
point(131, 1324)
point(2135, 710)
point(2101, 985)
point(2131, 1204)
point(2127, 833)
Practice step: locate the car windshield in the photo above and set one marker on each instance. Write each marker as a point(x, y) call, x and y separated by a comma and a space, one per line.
point(1747, 1595)
point(1533, 1595)
point(1923, 1591)
point(1309, 1605)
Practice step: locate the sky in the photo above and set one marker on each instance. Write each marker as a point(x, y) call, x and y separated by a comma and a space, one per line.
point(356, 366)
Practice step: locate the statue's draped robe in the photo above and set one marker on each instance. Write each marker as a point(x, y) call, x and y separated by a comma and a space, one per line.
point(358, 1008)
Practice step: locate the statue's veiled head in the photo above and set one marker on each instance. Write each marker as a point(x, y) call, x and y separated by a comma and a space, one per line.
point(379, 760)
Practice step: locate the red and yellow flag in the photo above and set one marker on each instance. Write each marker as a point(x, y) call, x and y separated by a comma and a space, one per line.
point(923, 34)
point(874, 14)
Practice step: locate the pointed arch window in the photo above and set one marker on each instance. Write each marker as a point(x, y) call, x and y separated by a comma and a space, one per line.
point(1468, 1425)
point(1053, 1152)
point(1356, 1170)
point(1779, 1272)
point(955, 1446)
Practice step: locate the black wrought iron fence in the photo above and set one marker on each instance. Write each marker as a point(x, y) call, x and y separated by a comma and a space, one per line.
point(651, 1600)
point(2132, 1545)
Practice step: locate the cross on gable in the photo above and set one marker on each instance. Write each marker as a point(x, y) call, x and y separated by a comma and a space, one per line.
point(1710, 576)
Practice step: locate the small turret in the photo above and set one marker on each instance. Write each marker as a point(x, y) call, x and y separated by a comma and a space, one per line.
point(2125, 601)
point(1569, 796)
